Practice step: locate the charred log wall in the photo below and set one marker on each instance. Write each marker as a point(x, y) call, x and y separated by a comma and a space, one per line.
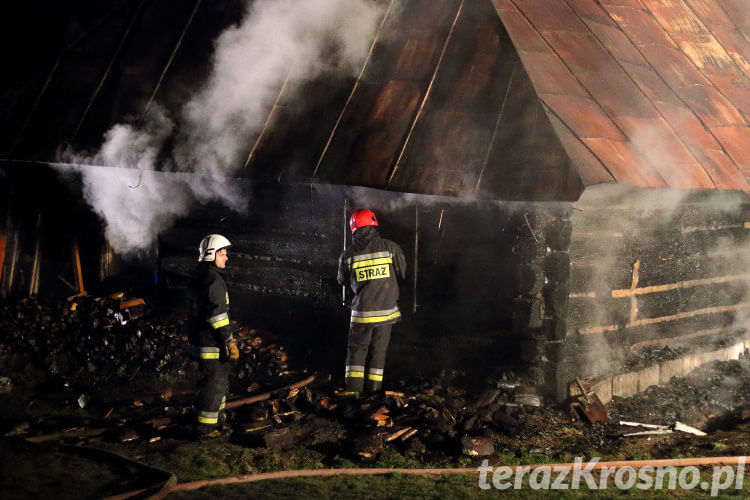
point(460, 301)
point(477, 298)
point(651, 268)
point(541, 306)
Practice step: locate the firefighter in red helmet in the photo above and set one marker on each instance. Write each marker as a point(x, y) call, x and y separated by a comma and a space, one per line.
point(371, 266)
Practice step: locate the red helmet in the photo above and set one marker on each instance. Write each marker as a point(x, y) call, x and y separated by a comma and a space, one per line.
point(362, 218)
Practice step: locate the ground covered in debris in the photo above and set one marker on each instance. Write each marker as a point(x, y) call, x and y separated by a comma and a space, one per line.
point(111, 374)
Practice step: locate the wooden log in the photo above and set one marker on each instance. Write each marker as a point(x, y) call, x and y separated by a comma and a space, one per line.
point(530, 249)
point(556, 350)
point(558, 235)
point(267, 395)
point(527, 313)
point(652, 211)
point(600, 276)
point(646, 426)
point(595, 311)
point(649, 237)
point(657, 271)
point(532, 348)
point(682, 300)
point(408, 435)
point(75, 433)
point(734, 281)
point(655, 432)
point(680, 427)
point(530, 279)
point(599, 279)
point(555, 329)
point(557, 266)
point(668, 331)
point(556, 300)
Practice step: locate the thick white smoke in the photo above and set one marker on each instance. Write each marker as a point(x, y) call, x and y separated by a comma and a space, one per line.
point(277, 41)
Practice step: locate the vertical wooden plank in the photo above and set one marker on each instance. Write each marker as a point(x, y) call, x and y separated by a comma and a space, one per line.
point(3, 241)
point(77, 265)
point(8, 283)
point(36, 263)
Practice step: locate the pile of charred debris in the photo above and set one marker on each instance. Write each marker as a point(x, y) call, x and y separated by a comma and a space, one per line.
point(115, 369)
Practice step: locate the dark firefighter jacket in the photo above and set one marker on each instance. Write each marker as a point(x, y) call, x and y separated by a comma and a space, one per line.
point(370, 266)
point(208, 318)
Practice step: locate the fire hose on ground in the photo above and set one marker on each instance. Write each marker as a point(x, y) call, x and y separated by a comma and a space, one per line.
point(291, 474)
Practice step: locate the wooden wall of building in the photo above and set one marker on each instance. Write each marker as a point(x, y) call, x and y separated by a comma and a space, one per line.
point(654, 268)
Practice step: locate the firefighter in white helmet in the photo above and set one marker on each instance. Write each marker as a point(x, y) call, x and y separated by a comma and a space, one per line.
point(209, 334)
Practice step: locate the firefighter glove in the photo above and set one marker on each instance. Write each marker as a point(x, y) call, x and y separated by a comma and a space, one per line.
point(234, 353)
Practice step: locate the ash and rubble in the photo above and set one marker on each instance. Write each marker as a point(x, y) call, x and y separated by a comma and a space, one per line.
point(710, 397)
point(649, 356)
point(121, 374)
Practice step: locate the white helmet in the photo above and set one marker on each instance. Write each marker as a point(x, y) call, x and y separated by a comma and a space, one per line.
point(210, 245)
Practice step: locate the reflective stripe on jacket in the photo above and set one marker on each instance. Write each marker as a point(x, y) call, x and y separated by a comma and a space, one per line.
point(372, 266)
point(208, 314)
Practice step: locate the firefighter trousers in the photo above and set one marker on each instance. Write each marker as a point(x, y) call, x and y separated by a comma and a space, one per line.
point(212, 393)
point(365, 358)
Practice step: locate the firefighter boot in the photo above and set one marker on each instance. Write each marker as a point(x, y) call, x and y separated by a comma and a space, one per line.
point(374, 387)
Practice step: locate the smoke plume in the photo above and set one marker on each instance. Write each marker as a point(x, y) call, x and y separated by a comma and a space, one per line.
point(277, 42)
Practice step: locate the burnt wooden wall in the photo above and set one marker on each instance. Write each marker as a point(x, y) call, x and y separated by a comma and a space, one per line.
point(652, 268)
point(460, 301)
point(553, 290)
point(467, 301)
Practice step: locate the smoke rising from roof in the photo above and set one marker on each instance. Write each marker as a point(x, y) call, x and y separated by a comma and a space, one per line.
point(277, 42)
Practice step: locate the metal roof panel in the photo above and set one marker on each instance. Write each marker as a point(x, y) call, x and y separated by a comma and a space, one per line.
point(739, 12)
point(550, 75)
point(687, 125)
point(623, 163)
point(583, 116)
point(546, 15)
point(587, 164)
point(504, 5)
point(736, 142)
point(635, 4)
point(618, 44)
point(654, 141)
point(581, 52)
point(524, 36)
point(408, 56)
point(651, 83)
point(723, 171)
point(736, 46)
point(711, 13)
point(618, 94)
point(590, 11)
point(713, 108)
point(675, 16)
point(639, 26)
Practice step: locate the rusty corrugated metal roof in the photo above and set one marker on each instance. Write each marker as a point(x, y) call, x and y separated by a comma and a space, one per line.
point(650, 92)
point(444, 106)
point(502, 99)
